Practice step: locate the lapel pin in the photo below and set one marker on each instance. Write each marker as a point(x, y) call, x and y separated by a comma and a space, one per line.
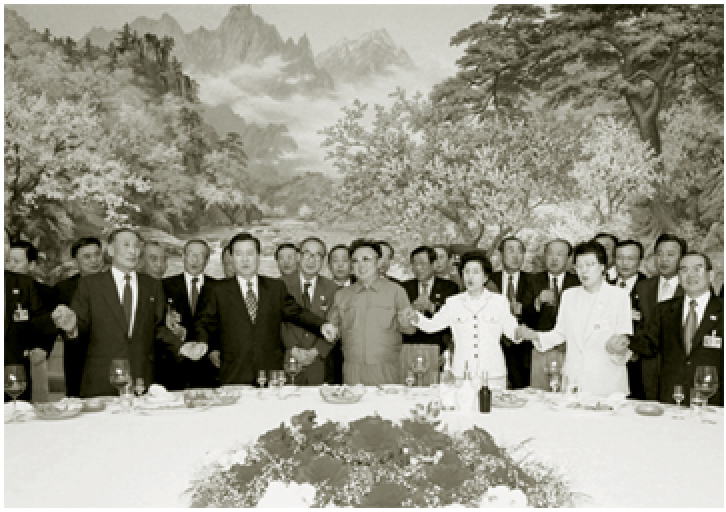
point(714, 317)
point(152, 299)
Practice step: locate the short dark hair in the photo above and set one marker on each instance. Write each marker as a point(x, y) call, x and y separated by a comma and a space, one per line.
point(363, 242)
point(709, 265)
point(227, 248)
point(510, 238)
point(606, 235)
point(381, 243)
point(83, 242)
point(591, 247)
point(667, 237)
point(244, 237)
point(479, 256)
point(337, 248)
point(285, 245)
point(630, 241)
point(313, 239)
point(197, 241)
point(116, 232)
point(445, 247)
point(561, 240)
point(31, 253)
point(424, 249)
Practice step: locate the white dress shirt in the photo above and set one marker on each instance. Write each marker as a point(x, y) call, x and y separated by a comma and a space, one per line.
point(505, 283)
point(311, 290)
point(612, 273)
point(701, 303)
point(629, 283)
point(560, 280)
point(120, 280)
point(243, 286)
point(424, 288)
point(672, 285)
point(188, 280)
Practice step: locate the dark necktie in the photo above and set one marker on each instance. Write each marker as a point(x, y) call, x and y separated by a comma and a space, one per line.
point(195, 293)
point(556, 291)
point(127, 301)
point(306, 295)
point(251, 302)
point(510, 289)
point(689, 330)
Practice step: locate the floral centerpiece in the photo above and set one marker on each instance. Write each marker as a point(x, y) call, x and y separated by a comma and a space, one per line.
point(373, 462)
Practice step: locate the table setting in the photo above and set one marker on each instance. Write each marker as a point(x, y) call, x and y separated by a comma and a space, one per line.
point(609, 451)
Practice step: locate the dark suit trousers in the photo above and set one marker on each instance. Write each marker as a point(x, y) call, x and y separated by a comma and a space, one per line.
point(334, 365)
point(519, 362)
point(635, 380)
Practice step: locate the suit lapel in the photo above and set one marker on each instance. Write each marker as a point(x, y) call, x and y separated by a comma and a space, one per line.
point(296, 290)
point(142, 301)
point(110, 294)
point(707, 325)
point(263, 297)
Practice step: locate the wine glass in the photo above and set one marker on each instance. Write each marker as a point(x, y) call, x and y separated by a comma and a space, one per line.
point(15, 384)
point(293, 367)
point(553, 370)
point(420, 364)
point(410, 379)
point(139, 387)
point(120, 376)
point(678, 396)
point(262, 378)
point(280, 380)
point(705, 383)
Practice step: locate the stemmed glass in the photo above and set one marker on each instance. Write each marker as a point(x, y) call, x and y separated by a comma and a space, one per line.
point(120, 377)
point(15, 384)
point(293, 367)
point(553, 370)
point(139, 387)
point(705, 385)
point(678, 396)
point(262, 378)
point(410, 379)
point(420, 364)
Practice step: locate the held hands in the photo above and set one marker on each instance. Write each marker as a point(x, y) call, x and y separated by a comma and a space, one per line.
point(173, 319)
point(617, 345)
point(329, 332)
point(215, 358)
point(423, 304)
point(194, 350)
point(179, 331)
point(304, 356)
point(408, 316)
point(546, 296)
point(525, 333)
point(65, 319)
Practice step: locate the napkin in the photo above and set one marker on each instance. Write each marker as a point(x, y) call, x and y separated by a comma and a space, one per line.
point(158, 394)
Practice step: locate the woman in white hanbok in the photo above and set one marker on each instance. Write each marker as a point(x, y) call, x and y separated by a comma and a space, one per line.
point(477, 318)
point(589, 316)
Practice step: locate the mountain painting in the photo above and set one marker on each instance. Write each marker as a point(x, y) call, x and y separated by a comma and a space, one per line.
point(458, 124)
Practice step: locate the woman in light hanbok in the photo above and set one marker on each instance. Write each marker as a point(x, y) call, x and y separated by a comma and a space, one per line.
point(477, 318)
point(589, 316)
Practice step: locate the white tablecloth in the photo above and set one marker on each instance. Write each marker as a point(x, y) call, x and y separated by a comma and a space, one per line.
point(116, 460)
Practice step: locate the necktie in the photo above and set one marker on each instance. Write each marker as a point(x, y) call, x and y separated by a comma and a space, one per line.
point(689, 330)
point(424, 290)
point(306, 295)
point(556, 291)
point(510, 289)
point(251, 302)
point(127, 301)
point(195, 293)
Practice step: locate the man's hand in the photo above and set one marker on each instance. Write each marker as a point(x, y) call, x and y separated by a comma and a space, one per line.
point(329, 332)
point(173, 318)
point(193, 350)
point(215, 358)
point(64, 318)
point(547, 296)
point(408, 316)
point(635, 314)
point(516, 307)
point(305, 356)
point(423, 304)
point(617, 344)
point(179, 331)
point(37, 355)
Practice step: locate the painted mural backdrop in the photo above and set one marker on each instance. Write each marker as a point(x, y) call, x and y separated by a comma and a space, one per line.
point(561, 121)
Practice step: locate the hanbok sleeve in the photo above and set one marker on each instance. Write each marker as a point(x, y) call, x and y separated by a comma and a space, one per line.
point(441, 320)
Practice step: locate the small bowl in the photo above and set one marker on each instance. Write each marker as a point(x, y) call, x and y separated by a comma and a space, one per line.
point(341, 394)
point(650, 409)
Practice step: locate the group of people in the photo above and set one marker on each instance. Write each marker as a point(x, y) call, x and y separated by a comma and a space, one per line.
point(611, 328)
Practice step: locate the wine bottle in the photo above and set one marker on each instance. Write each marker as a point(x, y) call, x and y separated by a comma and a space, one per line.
point(485, 396)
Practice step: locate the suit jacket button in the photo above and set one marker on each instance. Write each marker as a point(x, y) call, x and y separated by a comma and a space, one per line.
point(688, 362)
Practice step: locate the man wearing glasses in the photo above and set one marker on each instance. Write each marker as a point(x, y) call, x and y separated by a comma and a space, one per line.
point(315, 293)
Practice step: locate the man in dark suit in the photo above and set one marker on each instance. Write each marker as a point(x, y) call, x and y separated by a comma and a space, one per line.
point(384, 264)
point(340, 268)
point(182, 293)
point(122, 312)
point(153, 260)
point(24, 318)
point(87, 253)
point(628, 255)
point(427, 294)
point(287, 256)
point(686, 331)
point(514, 284)
point(315, 293)
point(653, 290)
point(246, 313)
point(541, 302)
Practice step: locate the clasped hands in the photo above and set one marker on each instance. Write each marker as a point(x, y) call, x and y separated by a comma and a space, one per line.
point(304, 356)
point(423, 304)
point(193, 350)
point(617, 345)
point(65, 319)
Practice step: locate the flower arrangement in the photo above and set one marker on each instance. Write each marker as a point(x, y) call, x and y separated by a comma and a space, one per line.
point(373, 462)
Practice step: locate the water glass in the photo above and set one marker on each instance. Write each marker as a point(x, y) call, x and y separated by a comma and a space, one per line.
point(678, 396)
point(15, 384)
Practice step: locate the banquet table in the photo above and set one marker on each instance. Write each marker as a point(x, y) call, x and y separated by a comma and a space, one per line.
point(102, 459)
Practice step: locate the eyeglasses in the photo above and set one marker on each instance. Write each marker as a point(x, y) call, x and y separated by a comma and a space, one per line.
point(312, 255)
